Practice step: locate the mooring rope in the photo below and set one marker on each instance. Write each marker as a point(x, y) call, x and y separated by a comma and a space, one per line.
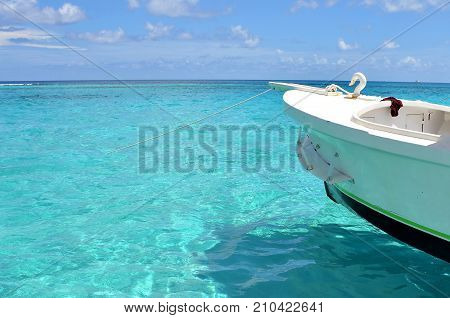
point(335, 88)
point(191, 123)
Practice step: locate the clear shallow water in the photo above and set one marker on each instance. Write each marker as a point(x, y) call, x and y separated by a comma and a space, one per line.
point(78, 222)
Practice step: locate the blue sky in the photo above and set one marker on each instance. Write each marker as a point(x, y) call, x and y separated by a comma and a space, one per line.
point(223, 39)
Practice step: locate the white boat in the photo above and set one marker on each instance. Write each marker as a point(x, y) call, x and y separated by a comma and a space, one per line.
point(393, 171)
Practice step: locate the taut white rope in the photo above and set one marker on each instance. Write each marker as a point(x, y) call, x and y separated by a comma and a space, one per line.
point(192, 123)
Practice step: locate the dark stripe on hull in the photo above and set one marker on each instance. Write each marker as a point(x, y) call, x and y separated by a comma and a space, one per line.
point(426, 242)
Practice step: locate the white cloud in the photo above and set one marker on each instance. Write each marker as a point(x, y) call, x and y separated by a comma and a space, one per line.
point(243, 34)
point(346, 46)
point(386, 61)
point(292, 60)
point(307, 4)
point(157, 31)
point(103, 36)
point(185, 36)
point(13, 36)
point(403, 5)
point(67, 13)
point(391, 45)
point(133, 4)
point(320, 60)
point(175, 8)
point(288, 59)
point(379, 61)
point(331, 3)
point(410, 61)
point(341, 62)
point(46, 46)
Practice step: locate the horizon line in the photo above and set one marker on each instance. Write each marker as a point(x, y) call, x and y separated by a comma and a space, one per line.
point(210, 80)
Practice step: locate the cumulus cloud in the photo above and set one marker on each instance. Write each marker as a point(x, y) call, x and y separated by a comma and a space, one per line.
point(243, 34)
point(157, 31)
point(408, 5)
point(175, 8)
point(391, 45)
point(410, 61)
point(320, 60)
point(346, 46)
point(133, 4)
point(403, 5)
point(307, 4)
point(185, 36)
point(289, 59)
point(67, 13)
point(103, 36)
point(331, 3)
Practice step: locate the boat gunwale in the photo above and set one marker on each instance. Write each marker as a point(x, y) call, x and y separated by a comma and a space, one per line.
point(359, 136)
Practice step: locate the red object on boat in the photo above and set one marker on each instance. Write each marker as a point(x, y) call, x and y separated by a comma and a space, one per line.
point(395, 105)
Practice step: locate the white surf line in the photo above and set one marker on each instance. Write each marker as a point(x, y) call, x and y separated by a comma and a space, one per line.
point(191, 123)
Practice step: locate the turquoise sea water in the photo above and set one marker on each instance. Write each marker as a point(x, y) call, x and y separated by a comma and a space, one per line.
point(77, 221)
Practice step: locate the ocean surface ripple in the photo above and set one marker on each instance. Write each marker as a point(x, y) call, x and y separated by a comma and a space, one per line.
point(78, 221)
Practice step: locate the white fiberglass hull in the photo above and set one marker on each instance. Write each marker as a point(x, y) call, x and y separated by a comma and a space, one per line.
point(409, 190)
point(407, 182)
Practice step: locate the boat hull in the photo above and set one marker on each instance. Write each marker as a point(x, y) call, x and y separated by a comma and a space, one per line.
point(426, 242)
point(405, 183)
point(393, 174)
point(411, 191)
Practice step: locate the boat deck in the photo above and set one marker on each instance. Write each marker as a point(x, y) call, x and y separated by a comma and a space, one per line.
point(319, 106)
